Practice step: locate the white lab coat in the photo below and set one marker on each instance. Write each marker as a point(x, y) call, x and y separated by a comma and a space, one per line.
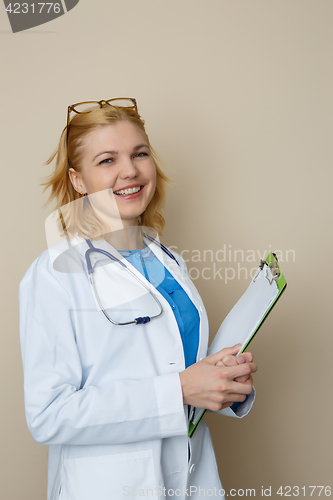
point(107, 399)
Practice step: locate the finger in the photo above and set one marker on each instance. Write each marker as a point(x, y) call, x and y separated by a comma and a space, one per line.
point(236, 398)
point(218, 356)
point(248, 356)
point(241, 388)
point(231, 372)
point(243, 379)
point(241, 359)
point(248, 382)
point(226, 405)
point(233, 361)
point(243, 370)
point(229, 360)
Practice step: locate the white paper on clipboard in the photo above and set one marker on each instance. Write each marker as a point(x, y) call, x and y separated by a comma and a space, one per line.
point(246, 317)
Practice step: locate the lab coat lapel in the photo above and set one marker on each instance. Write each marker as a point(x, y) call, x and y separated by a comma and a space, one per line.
point(172, 267)
point(186, 283)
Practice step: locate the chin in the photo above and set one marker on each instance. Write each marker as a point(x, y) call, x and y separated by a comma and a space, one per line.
point(127, 216)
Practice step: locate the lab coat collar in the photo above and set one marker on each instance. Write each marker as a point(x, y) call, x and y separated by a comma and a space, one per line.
point(162, 256)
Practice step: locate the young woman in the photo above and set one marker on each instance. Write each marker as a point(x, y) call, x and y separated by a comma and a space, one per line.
point(114, 334)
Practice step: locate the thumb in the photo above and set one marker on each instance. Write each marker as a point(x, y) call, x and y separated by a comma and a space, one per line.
point(218, 356)
point(229, 360)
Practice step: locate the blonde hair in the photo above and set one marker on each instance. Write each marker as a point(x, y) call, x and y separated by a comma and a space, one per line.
point(69, 153)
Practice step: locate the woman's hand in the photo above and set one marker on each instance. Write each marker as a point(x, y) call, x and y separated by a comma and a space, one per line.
point(218, 380)
point(228, 360)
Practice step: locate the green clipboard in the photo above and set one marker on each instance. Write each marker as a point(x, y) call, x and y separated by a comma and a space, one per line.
point(248, 314)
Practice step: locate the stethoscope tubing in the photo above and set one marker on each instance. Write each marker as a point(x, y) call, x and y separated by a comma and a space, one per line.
point(136, 321)
point(161, 246)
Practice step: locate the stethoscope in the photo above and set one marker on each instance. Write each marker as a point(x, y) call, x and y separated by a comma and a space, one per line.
point(141, 319)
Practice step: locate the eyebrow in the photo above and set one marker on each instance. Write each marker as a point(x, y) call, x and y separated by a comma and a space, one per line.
point(139, 146)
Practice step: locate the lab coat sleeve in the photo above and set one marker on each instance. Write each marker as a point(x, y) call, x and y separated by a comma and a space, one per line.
point(242, 410)
point(59, 410)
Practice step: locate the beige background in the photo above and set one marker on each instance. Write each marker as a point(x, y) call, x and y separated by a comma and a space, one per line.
point(237, 97)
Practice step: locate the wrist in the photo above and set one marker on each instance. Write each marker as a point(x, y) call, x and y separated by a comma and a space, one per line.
point(182, 377)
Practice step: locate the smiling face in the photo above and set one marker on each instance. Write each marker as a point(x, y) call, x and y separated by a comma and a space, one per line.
point(118, 157)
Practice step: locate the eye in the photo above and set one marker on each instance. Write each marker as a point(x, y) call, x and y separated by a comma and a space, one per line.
point(107, 160)
point(139, 155)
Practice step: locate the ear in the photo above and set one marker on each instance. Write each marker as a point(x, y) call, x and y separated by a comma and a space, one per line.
point(76, 180)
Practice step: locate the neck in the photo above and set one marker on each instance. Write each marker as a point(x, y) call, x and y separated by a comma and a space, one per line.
point(128, 238)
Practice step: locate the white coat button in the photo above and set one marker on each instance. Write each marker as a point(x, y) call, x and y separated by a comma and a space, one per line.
point(192, 468)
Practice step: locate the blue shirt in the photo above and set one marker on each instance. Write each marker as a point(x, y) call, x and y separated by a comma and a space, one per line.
point(185, 312)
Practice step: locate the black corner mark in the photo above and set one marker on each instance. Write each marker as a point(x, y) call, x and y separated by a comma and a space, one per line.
point(26, 15)
point(70, 4)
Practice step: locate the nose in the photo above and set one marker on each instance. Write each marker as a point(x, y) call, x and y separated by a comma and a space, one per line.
point(128, 169)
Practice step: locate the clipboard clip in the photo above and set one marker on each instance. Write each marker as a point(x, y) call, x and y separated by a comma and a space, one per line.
point(275, 272)
point(272, 270)
point(260, 268)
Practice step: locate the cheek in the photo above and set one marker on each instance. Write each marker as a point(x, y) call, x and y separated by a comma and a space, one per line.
point(153, 176)
point(154, 182)
point(100, 180)
point(153, 187)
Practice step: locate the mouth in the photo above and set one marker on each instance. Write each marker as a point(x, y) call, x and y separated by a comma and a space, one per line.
point(132, 192)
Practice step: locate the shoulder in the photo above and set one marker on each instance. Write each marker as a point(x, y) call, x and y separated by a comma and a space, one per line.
point(41, 263)
point(42, 286)
point(53, 266)
point(39, 279)
point(59, 261)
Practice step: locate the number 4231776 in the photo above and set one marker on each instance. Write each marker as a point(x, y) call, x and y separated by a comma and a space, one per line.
point(37, 8)
point(305, 491)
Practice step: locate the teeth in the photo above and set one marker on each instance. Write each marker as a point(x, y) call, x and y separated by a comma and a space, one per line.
point(128, 191)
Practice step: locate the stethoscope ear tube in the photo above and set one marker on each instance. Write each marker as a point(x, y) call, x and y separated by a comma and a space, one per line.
point(99, 250)
point(150, 238)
